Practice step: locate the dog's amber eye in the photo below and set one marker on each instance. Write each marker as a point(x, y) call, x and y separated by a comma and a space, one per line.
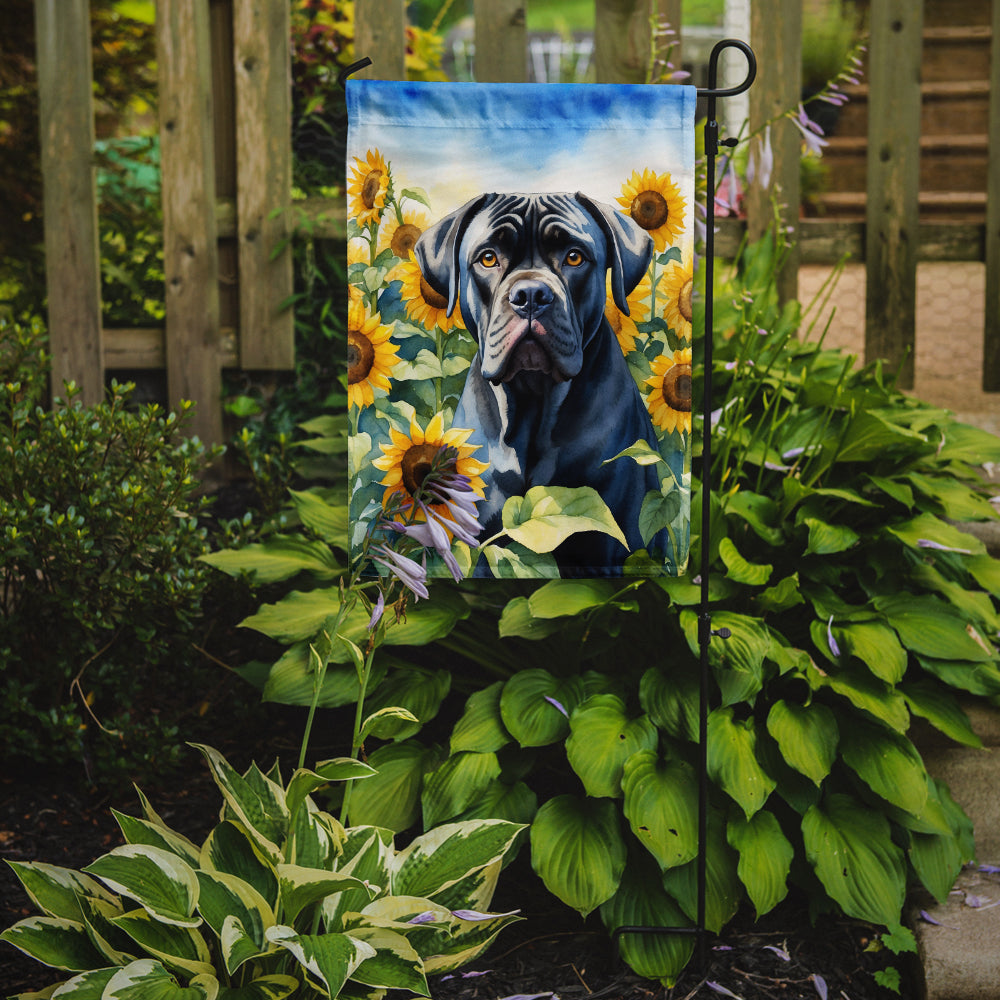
point(488, 259)
point(574, 258)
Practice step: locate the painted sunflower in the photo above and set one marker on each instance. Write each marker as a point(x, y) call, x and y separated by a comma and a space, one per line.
point(677, 287)
point(400, 236)
point(669, 403)
point(423, 304)
point(655, 203)
point(408, 459)
point(367, 187)
point(638, 306)
point(371, 356)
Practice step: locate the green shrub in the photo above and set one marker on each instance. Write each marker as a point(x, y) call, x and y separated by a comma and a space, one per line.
point(101, 584)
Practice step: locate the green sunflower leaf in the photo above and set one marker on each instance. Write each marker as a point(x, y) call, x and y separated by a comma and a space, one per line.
point(547, 515)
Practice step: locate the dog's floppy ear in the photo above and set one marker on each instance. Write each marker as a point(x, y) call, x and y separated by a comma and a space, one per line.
point(437, 249)
point(630, 248)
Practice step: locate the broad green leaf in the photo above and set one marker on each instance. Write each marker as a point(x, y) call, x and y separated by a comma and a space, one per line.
point(765, 858)
point(828, 539)
point(517, 620)
point(418, 690)
point(481, 728)
point(330, 959)
point(456, 784)
point(578, 851)
point(659, 510)
point(142, 831)
point(642, 453)
point(438, 859)
point(876, 646)
point(957, 501)
point(516, 803)
point(395, 964)
point(304, 782)
point(180, 948)
point(888, 763)
point(965, 443)
point(932, 628)
point(56, 891)
point(850, 848)
point(640, 901)
point(385, 723)
point(274, 987)
point(230, 849)
point(54, 941)
point(866, 692)
point(732, 760)
point(807, 736)
point(937, 860)
point(292, 680)
point(928, 528)
point(547, 515)
point(301, 887)
point(986, 571)
point(976, 678)
point(760, 512)
point(163, 884)
point(325, 519)
point(869, 436)
point(661, 800)
point(391, 798)
point(738, 661)
point(560, 598)
point(739, 569)
point(147, 979)
point(530, 706)
point(279, 558)
point(941, 709)
point(602, 737)
point(671, 700)
point(783, 595)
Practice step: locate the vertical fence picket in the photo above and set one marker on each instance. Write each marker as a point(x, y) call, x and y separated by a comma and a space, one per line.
point(261, 59)
point(621, 40)
point(776, 34)
point(991, 332)
point(72, 257)
point(190, 252)
point(501, 41)
point(892, 215)
point(380, 34)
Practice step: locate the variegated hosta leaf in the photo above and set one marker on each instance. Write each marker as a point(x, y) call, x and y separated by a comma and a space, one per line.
point(535, 706)
point(329, 959)
point(456, 784)
point(141, 831)
point(602, 737)
point(304, 782)
point(230, 849)
point(441, 857)
point(256, 801)
point(467, 940)
point(275, 987)
point(578, 851)
point(367, 854)
point(807, 736)
point(481, 727)
point(54, 941)
point(475, 891)
point(850, 847)
point(86, 986)
point(177, 947)
point(301, 887)
point(116, 947)
point(661, 800)
point(158, 880)
point(765, 858)
point(732, 760)
point(225, 897)
point(395, 964)
point(315, 838)
point(642, 902)
point(149, 980)
point(56, 891)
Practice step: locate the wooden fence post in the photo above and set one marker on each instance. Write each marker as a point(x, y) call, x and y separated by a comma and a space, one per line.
point(893, 183)
point(776, 34)
point(190, 251)
point(262, 61)
point(501, 41)
point(991, 333)
point(380, 34)
point(621, 40)
point(72, 255)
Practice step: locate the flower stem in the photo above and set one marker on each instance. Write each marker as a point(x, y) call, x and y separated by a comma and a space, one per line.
point(356, 737)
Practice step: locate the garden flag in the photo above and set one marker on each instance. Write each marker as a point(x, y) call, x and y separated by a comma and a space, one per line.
point(520, 263)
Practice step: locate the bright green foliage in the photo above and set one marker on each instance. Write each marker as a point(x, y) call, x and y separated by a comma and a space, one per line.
point(99, 546)
point(280, 898)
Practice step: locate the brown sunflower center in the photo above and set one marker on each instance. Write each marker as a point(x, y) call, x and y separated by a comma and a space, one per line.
point(432, 298)
point(650, 209)
point(360, 356)
point(403, 240)
point(416, 463)
point(371, 187)
point(684, 299)
point(677, 387)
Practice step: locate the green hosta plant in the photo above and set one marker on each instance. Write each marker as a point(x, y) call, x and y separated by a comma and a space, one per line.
point(279, 900)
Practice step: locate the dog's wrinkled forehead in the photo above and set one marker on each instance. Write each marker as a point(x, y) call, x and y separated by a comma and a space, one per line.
point(520, 223)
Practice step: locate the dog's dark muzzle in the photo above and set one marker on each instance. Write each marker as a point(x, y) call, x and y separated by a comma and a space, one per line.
point(530, 298)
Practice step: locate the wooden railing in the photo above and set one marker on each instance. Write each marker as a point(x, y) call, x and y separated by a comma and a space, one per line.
point(226, 160)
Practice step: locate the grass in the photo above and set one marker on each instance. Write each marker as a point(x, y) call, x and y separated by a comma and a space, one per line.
point(578, 15)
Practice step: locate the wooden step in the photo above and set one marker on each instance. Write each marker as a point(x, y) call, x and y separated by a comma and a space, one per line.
point(956, 206)
point(956, 53)
point(945, 12)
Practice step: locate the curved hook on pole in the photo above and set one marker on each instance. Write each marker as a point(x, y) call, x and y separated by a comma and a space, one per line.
point(352, 68)
point(712, 90)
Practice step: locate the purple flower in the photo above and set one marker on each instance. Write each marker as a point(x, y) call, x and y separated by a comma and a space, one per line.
point(558, 705)
point(927, 543)
point(811, 132)
point(410, 573)
point(475, 915)
point(761, 163)
point(834, 648)
point(719, 988)
point(427, 917)
point(820, 983)
point(377, 611)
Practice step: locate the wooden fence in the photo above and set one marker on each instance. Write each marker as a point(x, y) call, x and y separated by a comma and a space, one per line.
point(226, 161)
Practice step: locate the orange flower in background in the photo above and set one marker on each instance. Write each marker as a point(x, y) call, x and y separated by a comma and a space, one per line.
point(424, 305)
point(654, 202)
point(367, 187)
point(638, 311)
point(669, 403)
point(371, 355)
point(677, 287)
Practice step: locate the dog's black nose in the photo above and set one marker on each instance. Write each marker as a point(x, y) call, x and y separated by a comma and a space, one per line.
point(530, 298)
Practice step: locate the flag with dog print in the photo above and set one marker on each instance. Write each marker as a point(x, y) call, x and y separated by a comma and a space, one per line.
point(519, 263)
